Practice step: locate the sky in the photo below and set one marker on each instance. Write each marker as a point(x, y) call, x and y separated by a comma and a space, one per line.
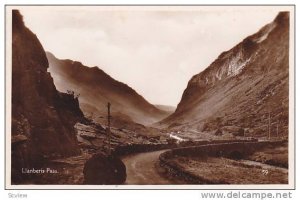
point(154, 50)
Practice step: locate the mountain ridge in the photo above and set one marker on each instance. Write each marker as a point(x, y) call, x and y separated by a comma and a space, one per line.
point(97, 88)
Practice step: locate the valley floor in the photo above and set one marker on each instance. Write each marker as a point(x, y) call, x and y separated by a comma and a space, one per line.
point(267, 166)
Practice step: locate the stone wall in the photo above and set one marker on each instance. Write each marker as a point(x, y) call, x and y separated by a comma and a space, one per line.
point(230, 149)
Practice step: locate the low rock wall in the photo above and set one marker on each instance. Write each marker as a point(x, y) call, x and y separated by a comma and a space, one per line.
point(232, 149)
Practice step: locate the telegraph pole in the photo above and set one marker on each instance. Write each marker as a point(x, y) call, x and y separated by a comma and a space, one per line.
point(277, 127)
point(108, 127)
point(269, 124)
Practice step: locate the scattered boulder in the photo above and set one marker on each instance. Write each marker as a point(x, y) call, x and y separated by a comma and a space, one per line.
point(16, 139)
point(102, 169)
point(235, 130)
point(230, 129)
point(240, 132)
point(218, 132)
point(88, 135)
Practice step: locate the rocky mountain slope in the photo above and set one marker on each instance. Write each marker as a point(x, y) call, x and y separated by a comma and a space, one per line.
point(246, 87)
point(43, 119)
point(96, 89)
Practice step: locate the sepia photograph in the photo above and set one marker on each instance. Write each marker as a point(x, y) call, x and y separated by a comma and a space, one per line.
point(149, 97)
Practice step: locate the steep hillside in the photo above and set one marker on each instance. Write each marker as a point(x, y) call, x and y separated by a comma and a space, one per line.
point(96, 89)
point(242, 87)
point(43, 119)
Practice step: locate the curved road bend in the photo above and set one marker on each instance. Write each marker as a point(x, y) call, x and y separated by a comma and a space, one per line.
point(141, 169)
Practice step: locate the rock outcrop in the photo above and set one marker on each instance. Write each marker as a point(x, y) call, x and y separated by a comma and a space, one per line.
point(246, 86)
point(43, 119)
point(103, 169)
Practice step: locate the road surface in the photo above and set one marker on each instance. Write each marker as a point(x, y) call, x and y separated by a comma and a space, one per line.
point(142, 169)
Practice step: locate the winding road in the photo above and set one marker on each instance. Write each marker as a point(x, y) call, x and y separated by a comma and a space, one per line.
point(142, 169)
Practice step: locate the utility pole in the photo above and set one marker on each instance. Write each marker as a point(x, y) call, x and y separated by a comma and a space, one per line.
point(277, 127)
point(269, 124)
point(108, 127)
